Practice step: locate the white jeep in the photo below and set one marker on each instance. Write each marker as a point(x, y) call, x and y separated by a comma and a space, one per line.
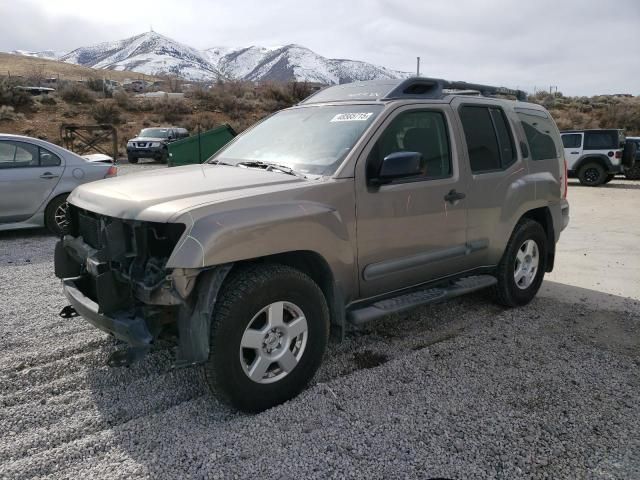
point(596, 156)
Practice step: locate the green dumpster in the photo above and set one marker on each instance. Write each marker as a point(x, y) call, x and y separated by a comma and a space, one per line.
point(199, 147)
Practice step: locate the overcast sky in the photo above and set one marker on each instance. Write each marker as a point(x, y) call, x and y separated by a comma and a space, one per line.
point(584, 47)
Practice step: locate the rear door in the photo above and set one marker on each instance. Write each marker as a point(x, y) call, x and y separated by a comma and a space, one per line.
point(495, 192)
point(572, 144)
point(408, 233)
point(28, 175)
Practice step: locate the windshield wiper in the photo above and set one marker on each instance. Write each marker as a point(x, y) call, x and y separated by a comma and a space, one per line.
point(271, 167)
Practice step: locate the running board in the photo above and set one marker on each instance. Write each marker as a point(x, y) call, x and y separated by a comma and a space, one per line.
point(419, 298)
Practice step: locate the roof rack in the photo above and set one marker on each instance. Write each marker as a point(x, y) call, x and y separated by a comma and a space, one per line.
point(416, 87)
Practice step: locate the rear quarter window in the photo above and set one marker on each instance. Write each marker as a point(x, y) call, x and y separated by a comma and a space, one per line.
point(541, 134)
point(601, 140)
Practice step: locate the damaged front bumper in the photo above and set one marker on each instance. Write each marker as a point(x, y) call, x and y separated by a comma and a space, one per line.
point(117, 280)
point(125, 326)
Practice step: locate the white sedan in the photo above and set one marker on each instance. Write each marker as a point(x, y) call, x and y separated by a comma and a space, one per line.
point(35, 179)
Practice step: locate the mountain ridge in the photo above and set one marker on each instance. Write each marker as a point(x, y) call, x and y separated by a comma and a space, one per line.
point(152, 53)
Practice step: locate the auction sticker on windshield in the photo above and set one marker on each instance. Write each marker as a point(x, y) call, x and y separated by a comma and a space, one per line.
point(352, 117)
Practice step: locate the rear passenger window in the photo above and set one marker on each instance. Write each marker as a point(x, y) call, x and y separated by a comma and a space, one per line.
point(489, 139)
point(540, 132)
point(572, 140)
point(601, 140)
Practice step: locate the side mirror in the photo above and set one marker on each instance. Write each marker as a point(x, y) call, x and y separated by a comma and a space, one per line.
point(399, 165)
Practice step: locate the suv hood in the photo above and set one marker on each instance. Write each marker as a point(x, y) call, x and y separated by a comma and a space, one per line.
point(159, 195)
point(147, 139)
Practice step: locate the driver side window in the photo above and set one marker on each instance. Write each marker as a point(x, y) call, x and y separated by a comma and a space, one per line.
point(424, 132)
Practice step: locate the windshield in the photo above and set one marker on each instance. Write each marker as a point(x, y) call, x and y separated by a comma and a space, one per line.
point(312, 140)
point(154, 132)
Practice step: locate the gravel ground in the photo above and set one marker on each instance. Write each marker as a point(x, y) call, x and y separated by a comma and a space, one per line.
point(461, 390)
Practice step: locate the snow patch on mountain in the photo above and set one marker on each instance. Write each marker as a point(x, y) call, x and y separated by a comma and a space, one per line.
point(154, 54)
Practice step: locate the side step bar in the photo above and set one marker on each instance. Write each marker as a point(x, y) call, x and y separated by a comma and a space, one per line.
point(418, 298)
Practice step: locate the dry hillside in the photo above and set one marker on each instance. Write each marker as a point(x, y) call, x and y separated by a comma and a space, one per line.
point(30, 68)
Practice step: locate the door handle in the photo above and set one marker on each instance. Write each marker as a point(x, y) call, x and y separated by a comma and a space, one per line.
point(573, 153)
point(48, 175)
point(454, 196)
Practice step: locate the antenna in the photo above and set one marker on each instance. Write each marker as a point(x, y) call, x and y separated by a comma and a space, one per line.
point(418, 68)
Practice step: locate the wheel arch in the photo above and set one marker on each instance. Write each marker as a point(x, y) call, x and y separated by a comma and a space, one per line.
point(542, 215)
point(317, 268)
point(602, 160)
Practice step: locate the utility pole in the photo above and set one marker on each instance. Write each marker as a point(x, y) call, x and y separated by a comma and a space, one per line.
point(418, 67)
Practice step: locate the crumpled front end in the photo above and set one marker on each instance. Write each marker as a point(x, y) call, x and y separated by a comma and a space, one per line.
point(114, 274)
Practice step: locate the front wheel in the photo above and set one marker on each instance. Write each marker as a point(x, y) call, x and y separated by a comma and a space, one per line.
point(633, 173)
point(523, 264)
point(269, 332)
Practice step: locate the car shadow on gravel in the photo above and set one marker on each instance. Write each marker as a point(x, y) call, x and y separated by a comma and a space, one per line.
point(165, 421)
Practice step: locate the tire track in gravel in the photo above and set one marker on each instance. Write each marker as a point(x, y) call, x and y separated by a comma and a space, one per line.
point(154, 393)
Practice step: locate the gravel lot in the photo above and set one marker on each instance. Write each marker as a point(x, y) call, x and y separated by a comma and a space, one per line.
point(461, 390)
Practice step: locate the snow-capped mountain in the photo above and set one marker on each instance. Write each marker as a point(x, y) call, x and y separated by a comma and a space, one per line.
point(149, 53)
point(294, 62)
point(153, 54)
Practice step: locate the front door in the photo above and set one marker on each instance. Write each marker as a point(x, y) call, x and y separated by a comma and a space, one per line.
point(411, 230)
point(28, 175)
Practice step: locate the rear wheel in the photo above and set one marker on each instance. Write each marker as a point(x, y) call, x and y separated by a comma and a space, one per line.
point(592, 174)
point(133, 159)
point(521, 270)
point(268, 335)
point(55, 215)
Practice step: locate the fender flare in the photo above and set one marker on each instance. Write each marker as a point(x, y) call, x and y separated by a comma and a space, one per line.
point(599, 158)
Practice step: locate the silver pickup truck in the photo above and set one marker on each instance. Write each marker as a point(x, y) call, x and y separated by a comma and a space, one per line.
point(365, 199)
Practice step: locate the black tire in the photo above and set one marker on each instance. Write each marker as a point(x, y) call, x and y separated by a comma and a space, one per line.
point(244, 294)
point(508, 293)
point(610, 177)
point(164, 157)
point(133, 159)
point(633, 173)
point(592, 174)
point(629, 154)
point(52, 214)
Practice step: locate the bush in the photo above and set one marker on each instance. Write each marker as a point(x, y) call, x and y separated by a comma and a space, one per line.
point(124, 101)
point(8, 114)
point(171, 109)
point(95, 84)
point(106, 112)
point(14, 97)
point(47, 100)
point(76, 93)
point(206, 120)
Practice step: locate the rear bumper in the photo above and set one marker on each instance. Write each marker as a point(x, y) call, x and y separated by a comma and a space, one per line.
point(125, 326)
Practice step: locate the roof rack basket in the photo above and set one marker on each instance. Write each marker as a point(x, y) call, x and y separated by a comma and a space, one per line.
point(421, 87)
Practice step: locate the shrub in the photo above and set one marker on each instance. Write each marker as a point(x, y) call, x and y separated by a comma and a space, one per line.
point(8, 114)
point(206, 120)
point(76, 93)
point(124, 101)
point(14, 97)
point(106, 112)
point(47, 100)
point(171, 109)
point(95, 84)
